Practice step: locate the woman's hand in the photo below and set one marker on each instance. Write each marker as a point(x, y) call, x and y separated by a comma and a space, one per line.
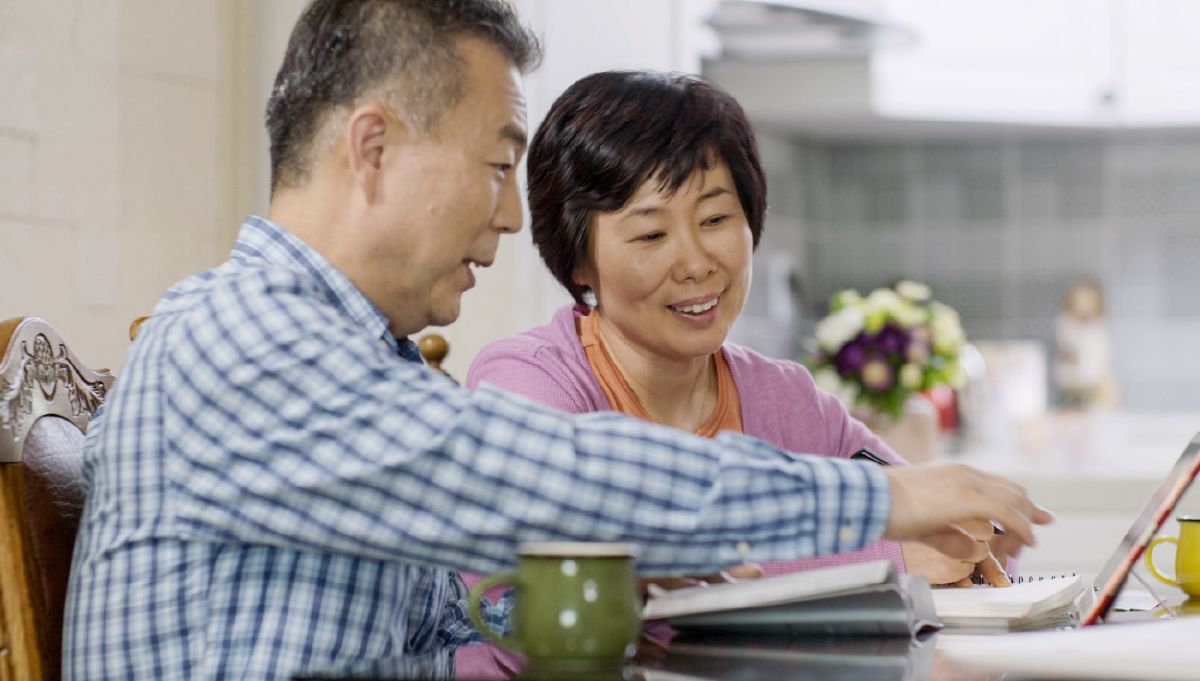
point(938, 568)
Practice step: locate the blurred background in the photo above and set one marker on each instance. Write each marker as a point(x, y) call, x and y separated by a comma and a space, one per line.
point(998, 152)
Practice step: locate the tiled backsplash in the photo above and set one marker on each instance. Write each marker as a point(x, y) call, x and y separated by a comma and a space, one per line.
point(999, 228)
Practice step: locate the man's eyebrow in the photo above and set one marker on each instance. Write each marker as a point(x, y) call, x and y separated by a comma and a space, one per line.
point(514, 133)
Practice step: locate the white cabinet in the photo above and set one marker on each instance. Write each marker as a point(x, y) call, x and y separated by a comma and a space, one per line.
point(1158, 62)
point(1065, 63)
point(1023, 61)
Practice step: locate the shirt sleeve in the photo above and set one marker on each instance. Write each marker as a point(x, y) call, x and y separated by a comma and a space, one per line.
point(287, 426)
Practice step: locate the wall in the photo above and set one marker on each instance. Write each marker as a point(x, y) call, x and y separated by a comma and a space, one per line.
point(580, 37)
point(999, 228)
point(117, 135)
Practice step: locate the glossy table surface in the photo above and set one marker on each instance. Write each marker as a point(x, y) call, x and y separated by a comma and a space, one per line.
point(757, 659)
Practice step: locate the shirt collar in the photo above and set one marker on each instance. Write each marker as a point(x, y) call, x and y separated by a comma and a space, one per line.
point(262, 239)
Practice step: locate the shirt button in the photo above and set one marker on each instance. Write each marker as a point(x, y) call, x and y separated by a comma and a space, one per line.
point(847, 534)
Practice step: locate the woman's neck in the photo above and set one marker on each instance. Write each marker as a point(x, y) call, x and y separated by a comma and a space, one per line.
point(680, 393)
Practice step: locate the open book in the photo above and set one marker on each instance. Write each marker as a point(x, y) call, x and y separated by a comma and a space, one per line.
point(848, 657)
point(1027, 604)
point(867, 599)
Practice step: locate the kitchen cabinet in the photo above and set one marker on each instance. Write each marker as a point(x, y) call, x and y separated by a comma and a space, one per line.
point(1069, 63)
point(1158, 62)
point(1022, 61)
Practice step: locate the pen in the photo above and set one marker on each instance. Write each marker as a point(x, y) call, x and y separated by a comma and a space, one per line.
point(867, 455)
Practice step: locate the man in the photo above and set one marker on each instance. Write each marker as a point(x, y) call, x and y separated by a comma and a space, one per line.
point(277, 484)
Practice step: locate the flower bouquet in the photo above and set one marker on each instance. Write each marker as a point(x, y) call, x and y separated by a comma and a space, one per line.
point(874, 352)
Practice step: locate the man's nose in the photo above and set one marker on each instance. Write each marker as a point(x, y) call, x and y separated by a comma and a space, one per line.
point(509, 214)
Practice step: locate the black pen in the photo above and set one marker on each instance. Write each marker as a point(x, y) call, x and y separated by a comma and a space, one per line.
point(868, 455)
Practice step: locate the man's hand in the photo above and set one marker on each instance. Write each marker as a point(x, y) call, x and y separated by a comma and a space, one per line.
point(936, 504)
point(938, 568)
point(733, 574)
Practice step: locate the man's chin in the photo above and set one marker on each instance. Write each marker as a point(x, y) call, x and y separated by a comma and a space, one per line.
point(446, 315)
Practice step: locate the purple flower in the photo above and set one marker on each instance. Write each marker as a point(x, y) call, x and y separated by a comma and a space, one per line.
point(852, 356)
point(892, 341)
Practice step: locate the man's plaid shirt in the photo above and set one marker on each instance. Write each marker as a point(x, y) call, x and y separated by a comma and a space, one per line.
point(277, 483)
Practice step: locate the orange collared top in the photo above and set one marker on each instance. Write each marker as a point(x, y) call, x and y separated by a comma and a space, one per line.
point(726, 415)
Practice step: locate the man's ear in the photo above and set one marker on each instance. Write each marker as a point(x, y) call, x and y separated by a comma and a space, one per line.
point(368, 129)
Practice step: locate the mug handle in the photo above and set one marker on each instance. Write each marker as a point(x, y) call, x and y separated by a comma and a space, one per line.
point(475, 610)
point(1150, 561)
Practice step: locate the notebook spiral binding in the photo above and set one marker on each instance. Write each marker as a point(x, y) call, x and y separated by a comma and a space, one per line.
point(1023, 579)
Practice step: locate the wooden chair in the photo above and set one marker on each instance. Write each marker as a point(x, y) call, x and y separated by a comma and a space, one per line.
point(434, 349)
point(47, 399)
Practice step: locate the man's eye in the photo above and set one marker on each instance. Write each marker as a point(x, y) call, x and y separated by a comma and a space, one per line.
point(504, 168)
point(651, 236)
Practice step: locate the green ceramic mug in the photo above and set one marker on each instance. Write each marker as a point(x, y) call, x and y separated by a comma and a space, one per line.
point(576, 603)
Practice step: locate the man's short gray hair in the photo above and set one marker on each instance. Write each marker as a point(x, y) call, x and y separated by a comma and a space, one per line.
point(341, 50)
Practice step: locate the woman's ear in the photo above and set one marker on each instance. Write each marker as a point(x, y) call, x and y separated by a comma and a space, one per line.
point(583, 277)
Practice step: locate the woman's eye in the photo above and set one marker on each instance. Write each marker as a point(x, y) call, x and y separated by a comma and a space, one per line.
point(716, 220)
point(651, 236)
point(504, 168)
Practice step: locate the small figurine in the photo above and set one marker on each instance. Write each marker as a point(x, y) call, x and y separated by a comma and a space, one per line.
point(1083, 360)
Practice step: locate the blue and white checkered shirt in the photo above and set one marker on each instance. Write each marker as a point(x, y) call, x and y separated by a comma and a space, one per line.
point(277, 483)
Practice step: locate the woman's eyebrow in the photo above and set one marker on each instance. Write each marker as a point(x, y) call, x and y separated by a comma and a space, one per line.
point(713, 193)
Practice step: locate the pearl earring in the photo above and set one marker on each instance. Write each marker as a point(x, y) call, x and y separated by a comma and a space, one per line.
point(589, 298)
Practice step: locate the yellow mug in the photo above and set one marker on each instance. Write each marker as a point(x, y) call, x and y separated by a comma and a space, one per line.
point(1187, 556)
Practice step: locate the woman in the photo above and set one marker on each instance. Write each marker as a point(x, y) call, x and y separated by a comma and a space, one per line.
point(647, 200)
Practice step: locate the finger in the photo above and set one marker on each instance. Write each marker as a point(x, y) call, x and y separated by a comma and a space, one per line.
point(745, 571)
point(1013, 521)
point(669, 583)
point(992, 572)
point(1038, 514)
point(952, 542)
point(965, 583)
point(978, 528)
point(1042, 515)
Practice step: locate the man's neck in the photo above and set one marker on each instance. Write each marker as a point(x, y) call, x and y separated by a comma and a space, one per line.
point(319, 218)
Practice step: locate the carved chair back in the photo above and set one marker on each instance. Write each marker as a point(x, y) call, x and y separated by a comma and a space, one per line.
point(47, 399)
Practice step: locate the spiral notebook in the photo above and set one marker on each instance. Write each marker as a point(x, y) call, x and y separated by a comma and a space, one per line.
point(1030, 603)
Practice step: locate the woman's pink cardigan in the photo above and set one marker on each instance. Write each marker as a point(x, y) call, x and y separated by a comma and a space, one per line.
point(779, 401)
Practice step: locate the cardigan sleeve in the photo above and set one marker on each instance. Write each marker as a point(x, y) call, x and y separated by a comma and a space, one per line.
point(532, 370)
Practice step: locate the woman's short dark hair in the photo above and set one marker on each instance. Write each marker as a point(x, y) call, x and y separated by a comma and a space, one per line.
point(609, 133)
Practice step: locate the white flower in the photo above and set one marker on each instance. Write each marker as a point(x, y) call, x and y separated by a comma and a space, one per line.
point(948, 336)
point(911, 376)
point(833, 331)
point(827, 379)
point(955, 376)
point(910, 315)
point(914, 291)
point(845, 298)
point(883, 300)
